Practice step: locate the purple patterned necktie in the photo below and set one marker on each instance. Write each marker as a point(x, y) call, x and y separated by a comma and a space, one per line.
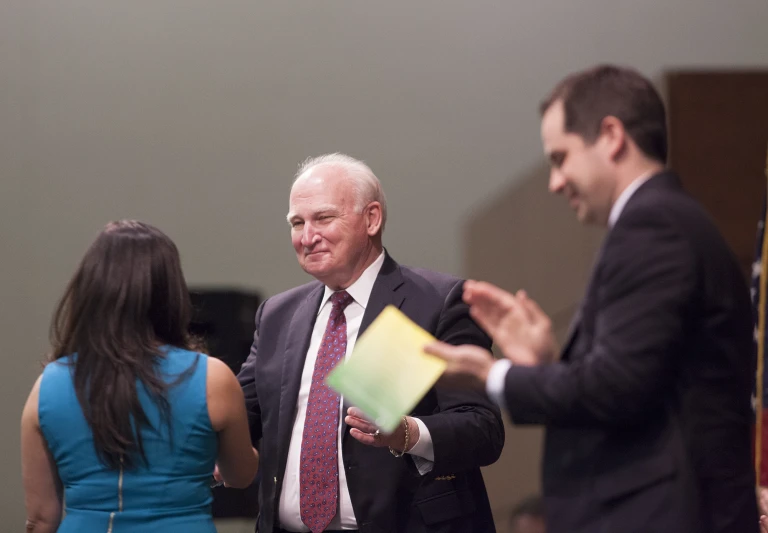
point(319, 469)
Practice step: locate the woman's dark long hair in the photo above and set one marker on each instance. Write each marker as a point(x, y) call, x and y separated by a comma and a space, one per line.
point(127, 298)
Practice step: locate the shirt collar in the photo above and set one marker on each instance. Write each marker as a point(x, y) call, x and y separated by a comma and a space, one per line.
point(360, 290)
point(626, 194)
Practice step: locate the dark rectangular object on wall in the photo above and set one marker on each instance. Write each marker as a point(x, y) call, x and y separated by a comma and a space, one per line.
point(225, 320)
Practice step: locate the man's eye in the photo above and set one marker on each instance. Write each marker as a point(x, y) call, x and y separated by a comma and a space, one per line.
point(556, 160)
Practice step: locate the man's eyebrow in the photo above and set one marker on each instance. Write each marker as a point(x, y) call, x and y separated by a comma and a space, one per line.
point(319, 210)
point(556, 157)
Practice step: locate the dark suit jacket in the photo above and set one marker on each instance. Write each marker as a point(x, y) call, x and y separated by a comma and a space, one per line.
point(648, 412)
point(387, 493)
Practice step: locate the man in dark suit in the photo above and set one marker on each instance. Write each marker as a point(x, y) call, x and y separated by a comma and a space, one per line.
point(647, 411)
point(324, 472)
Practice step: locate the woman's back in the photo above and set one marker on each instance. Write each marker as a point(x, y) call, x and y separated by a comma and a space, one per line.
point(171, 491)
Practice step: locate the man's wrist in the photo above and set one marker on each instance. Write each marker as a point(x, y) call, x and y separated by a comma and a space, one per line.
point(405, 437)
point(414, 433)
point(494, 384)
point(486, 370)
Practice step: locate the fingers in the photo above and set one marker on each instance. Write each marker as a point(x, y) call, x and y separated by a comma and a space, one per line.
point(218, 478)
point(465, 359)
point(534, 311)
point(477, 292)
point(492, 317)
point(526, 305)
point(481, 293)
point(467, 367)
point(444, 351)
point(363, 429)
point(483, 319)
point(366, 438)
point(457, 354)
point(360, 424)
point(490, 306)
point(357, 413)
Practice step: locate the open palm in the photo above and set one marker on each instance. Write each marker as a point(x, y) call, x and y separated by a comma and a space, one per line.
point(516, 323)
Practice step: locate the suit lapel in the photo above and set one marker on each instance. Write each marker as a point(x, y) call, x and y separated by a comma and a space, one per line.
point(385, 292)
point(299, 336)
point(571, 335)
point(578, 316)
point(665, 179)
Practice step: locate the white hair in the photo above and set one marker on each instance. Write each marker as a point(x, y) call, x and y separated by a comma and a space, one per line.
point(367, 186)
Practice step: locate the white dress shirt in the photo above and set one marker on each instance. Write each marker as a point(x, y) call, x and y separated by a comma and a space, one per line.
point(422, 451)
point(626, 194)
point(494, 385)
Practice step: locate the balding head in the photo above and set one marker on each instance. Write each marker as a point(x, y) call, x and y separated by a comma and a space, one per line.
point(336, 220)
point(365, 186)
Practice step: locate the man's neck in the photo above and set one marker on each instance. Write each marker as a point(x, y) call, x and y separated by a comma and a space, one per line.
point(632, 172)
point(373, 253)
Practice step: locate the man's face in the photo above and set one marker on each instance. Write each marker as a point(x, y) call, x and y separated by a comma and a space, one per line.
point(329, 236)
point(579, 171)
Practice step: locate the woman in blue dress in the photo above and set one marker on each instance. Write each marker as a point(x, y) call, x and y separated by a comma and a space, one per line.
point(128, 418)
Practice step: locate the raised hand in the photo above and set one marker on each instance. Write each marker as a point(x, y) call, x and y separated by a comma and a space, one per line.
point(468, 365)
point(516, 323)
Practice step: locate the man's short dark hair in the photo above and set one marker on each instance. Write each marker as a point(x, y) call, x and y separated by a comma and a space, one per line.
point(606, 90)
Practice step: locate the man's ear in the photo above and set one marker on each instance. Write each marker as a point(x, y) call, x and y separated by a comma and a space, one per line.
point(613, 137)
point(373, 218)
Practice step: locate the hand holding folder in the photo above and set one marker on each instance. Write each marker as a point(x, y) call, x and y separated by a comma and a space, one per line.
point(388, 372)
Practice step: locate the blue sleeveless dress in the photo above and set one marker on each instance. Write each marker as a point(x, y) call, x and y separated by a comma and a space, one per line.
point(171, 494)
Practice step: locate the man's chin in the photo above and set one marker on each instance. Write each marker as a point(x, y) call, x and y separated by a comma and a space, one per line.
point(315, 267)
point(584, 215)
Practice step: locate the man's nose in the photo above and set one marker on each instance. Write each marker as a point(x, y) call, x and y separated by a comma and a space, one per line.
point(556, 180)
point(309, 235)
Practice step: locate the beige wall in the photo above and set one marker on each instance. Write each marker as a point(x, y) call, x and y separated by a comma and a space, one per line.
point(193, 115)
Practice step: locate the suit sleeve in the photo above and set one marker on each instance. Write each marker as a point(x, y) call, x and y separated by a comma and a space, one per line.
point(646, 289)
point(467, 430)
point(247, 379)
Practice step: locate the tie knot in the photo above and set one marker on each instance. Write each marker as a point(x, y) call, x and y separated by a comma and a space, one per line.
point(341, 300)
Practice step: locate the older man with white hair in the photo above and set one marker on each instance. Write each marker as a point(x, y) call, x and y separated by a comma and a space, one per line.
point(322, 471)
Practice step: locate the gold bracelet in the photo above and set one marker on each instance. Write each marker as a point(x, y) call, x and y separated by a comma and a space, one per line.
point(405, 446)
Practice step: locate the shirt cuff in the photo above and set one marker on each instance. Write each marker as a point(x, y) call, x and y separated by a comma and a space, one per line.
point(494, 385)
point(423, 452)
